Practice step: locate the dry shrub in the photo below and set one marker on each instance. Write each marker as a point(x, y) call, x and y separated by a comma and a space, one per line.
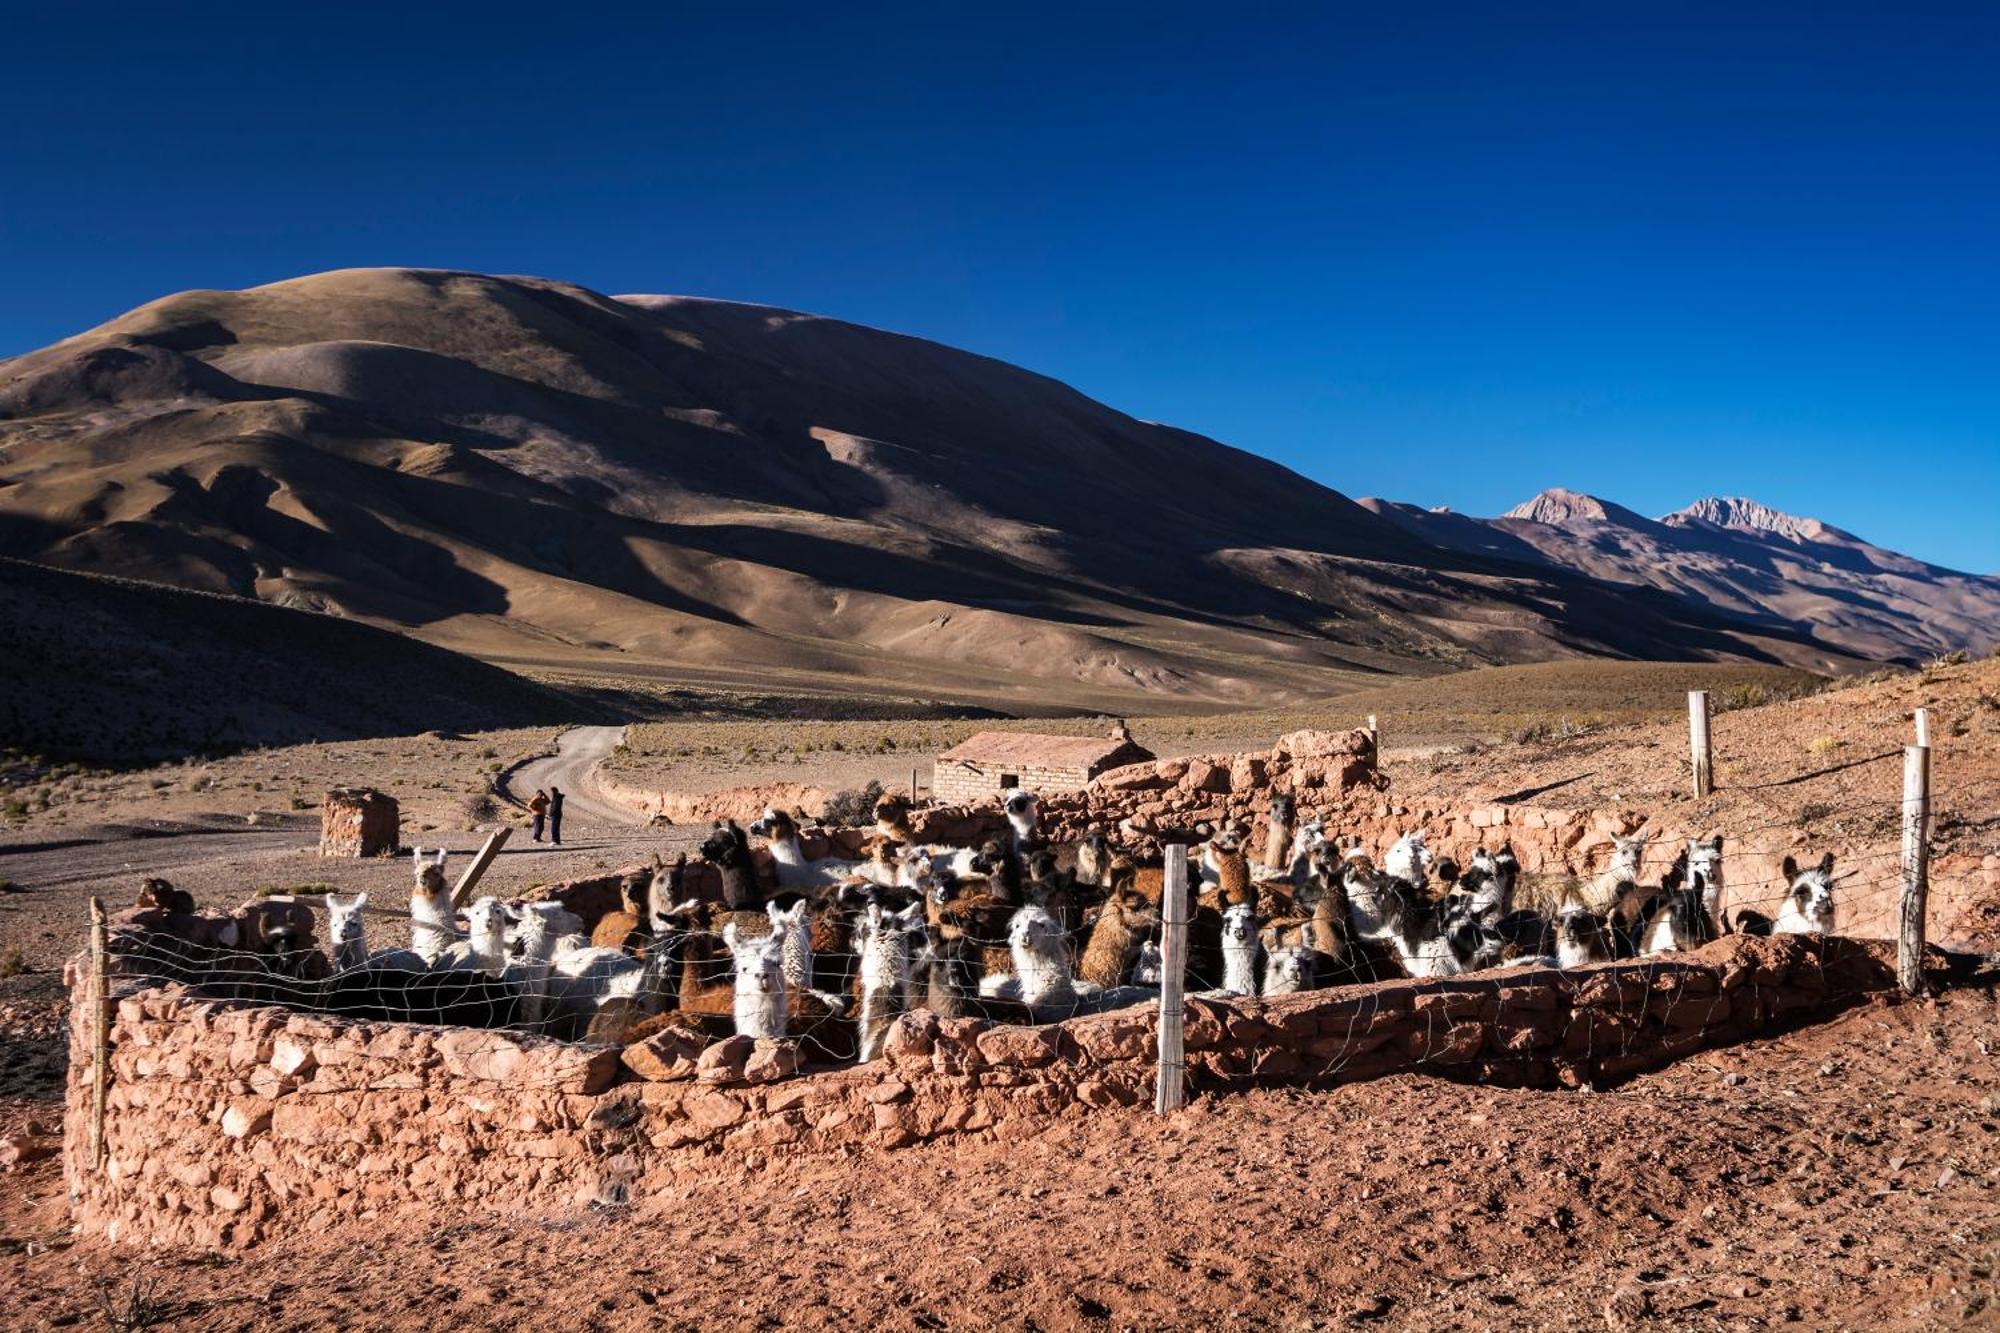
point(852, 808)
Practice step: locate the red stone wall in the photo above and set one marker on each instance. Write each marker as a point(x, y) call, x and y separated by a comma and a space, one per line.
point(227, 1123)
point(359, 821)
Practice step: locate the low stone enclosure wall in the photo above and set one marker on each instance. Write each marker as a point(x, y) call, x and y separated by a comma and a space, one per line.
point(226, 1122)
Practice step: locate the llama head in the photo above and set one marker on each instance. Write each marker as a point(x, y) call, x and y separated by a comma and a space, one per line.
point(430, 870)
point(343, 919)
point(1287, 970)
point(1704, 857)
point(1032, 929)
point(1239, 924)
point(1506, 866)
point(725, 845)
point(760, 960)
point(775, 826)
point(1483, 864)
point(990, 855)
point(1627, 854)
point(1812, 889)
point(1310, 834)
point(1139, 911)
point(1146, 971)
point(1578, 927)
point(937, 886)
point(1283, 808)
point(1093, 853)
point(486, 919)
point(1021, 807)
point(1408, 859)
point(892, 813)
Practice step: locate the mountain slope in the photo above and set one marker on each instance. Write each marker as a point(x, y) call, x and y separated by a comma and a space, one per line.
point(1770, 569)
point(534, 472)
point(112, 669)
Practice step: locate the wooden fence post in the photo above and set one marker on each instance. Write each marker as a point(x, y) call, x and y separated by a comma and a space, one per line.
point(1171, 1092)
point(100, 1036)
point(479, 863)
point(1698, 744)
point(913, 784)
point(1923, 720)
point(1916, 867)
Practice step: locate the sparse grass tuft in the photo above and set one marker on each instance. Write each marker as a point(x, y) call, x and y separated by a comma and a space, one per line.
point(293, 890)
point(13, 963)
point(1824, 745)
point(853, 808)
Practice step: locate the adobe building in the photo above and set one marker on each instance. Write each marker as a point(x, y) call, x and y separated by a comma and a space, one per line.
point(983, 766)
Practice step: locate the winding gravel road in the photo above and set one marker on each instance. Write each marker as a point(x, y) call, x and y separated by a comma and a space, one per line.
point(573, 767)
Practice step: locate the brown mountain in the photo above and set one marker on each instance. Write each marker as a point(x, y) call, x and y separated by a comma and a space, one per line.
point(726, 494)
point(1768, 569)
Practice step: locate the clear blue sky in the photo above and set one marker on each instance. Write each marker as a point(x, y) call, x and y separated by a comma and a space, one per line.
point(1446, 254)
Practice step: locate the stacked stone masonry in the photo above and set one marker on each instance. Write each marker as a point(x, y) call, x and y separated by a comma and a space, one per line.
point(227, 1123)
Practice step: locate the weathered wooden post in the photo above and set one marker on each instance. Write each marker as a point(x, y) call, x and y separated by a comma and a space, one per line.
point(463, 889)
point(913, 784)
point(1704, 756)
point(1916, 867)
point(1171, 1092)
point(1923, 720)
point(100, 1036)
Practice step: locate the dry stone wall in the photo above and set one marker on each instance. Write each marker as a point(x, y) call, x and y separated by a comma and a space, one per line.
point(227, 1122)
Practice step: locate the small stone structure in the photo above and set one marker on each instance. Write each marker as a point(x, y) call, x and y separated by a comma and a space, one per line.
point(228, 1121)
point(359, 821)
point(982, 766)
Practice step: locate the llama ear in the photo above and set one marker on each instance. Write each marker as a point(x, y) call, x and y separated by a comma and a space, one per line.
point(729, 935)
point(1826, 864)
point(775, 912)
point(442, 853)
point(360, 900)
point(417, 855)
point(1789, 868)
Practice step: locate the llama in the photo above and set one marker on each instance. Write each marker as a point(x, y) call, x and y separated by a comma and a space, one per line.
point(728, 850)
point(1704, 858)
point(1239, 949)
point(761, 1003)
point(1288, 971)
point(1581, 937)
point(794, 932)
point(883, 941)
point(1409, 861)
point(1808, 905)
point(433, 922)
point(1488, 883)
point(629, 926)
point(951, 976)
point(1278, 834)
point(1021, 808)
point(1118, 938)
point(1618, 883)
point(781, 832)
point(485, 947)
point(1226, 867)
point(1035, 944)
point(1377, 903)
point(348, 934)
point(892, 818)
point(1151, 966)
point(565, 984)
point(1309, 837)
point(1678, 919)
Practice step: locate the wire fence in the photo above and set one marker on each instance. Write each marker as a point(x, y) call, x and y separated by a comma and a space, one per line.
point(830, 966)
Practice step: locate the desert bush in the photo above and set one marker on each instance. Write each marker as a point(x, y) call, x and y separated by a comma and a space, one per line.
point(1824, 745)
point(1812, 812)
point(852, 808)
point(293, 890)
point(13, 963)
point(301, 803)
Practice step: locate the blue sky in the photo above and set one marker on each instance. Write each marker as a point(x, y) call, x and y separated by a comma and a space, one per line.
point(1446, 254)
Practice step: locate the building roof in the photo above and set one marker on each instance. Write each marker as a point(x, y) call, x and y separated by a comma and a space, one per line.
point(999, 749)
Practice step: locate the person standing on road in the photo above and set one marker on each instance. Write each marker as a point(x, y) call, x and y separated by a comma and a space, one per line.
point(555, 814)
point(538, 809)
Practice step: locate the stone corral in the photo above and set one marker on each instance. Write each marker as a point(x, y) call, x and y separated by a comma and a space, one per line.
point(228, 1122)
point(359, 821)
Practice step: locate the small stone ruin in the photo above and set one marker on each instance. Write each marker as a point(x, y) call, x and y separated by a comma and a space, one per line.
point(359, 821)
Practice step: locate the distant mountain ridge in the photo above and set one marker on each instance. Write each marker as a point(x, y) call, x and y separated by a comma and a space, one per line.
point(735, 495)
point(1742, 558)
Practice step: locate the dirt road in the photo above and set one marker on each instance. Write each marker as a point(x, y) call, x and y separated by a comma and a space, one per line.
point(573, 767)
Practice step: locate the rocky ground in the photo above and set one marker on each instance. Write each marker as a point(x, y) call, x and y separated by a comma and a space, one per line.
point(1841, 1176)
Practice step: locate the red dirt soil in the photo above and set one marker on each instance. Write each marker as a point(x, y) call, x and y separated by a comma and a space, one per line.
point(1840, 1176)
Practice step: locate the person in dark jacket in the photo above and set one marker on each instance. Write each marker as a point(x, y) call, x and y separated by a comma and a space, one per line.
point(555, 814)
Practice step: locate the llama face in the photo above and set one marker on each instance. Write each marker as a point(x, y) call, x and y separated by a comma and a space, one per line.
point(1287, 971)
point(1409, 860)
point(723, 846)
point(1705, 859)
point(1626, 856)
point(1239, 926)
point(1283, 808)
point(1035, 931)
point(486, 919)
point(343, 921)
point(1809, 904)
point(775, 826)
point(760, 962)
point(1021, 807)
point(1580, 936)
point(1146, 972)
